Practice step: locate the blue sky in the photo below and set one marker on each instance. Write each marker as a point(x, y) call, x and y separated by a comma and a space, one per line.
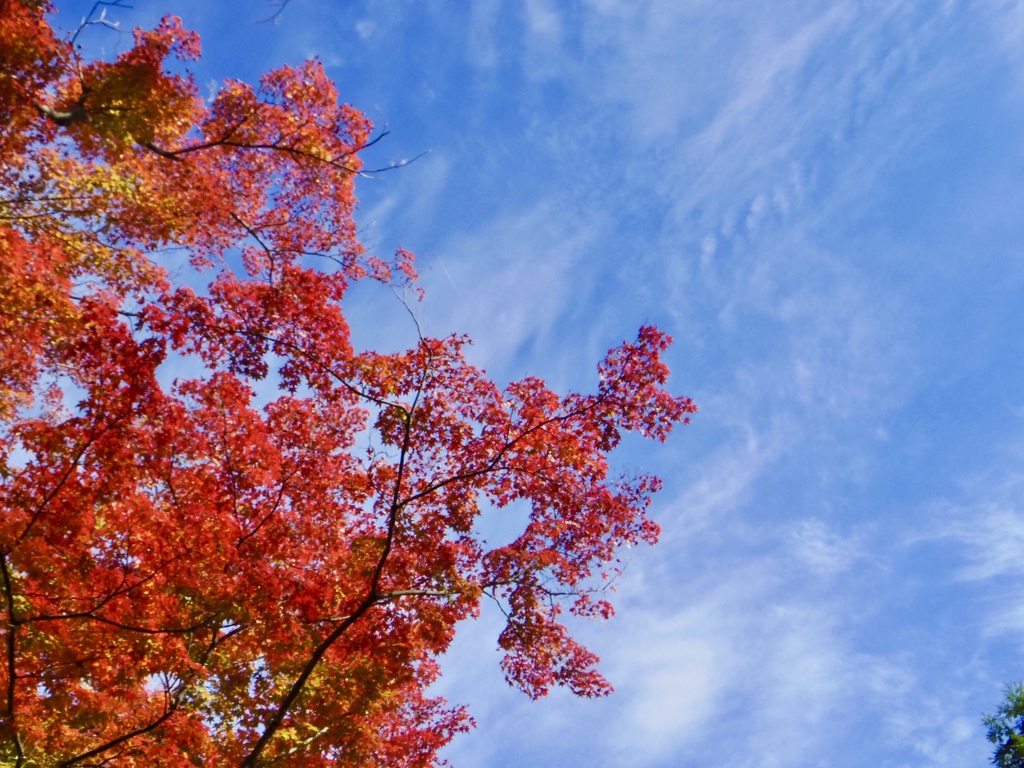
point(821, 202)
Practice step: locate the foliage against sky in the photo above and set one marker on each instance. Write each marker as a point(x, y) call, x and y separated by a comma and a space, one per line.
point(192, 573)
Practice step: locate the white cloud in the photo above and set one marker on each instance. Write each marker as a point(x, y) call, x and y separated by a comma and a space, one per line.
point(738, 657)
point(673, 689)
point(543, 19)
point(986, 521)
point(993, 535)
point(543, 57)
point(365, 29)
point(508, 283)
point(482, 39)
point(1006, 20)
point(822, 550)
point(722, 483)
point(768, 77)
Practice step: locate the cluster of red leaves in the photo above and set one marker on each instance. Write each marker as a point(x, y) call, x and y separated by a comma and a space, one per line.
point(190, 575)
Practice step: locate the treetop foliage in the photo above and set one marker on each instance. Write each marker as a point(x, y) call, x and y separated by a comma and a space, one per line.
point(189, 574)
point(1006, 729)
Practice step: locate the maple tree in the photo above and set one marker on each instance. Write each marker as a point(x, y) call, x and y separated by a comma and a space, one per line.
point(194, 575)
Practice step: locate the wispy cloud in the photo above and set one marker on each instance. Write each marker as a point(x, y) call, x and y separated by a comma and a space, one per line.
point(985, 520)
point(822, 550)
point(511, 281)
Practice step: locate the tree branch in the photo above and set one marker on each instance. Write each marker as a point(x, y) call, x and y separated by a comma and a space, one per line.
point(12, 676)
point(171, 709)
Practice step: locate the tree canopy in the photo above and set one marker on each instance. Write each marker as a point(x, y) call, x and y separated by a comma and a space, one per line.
point(1006, 729)
point(190, 573)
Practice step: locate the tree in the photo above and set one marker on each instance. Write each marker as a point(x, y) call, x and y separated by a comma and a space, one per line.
point(194, 575)
point(1006, 729)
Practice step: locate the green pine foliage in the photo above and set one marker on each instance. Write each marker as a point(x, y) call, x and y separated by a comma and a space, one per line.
point(1006, 729)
